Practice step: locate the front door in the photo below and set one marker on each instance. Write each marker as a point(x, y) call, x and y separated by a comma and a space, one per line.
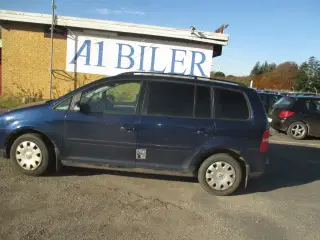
point(104, 128)
point(171, 128)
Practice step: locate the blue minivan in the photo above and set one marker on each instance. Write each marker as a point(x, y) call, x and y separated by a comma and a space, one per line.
point(214, 129)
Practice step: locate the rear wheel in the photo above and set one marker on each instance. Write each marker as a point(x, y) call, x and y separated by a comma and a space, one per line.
point(220, 174)
point(29, 155)
point(298, 130)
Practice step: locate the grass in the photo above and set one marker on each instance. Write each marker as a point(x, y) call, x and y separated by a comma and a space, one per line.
point(10, 102)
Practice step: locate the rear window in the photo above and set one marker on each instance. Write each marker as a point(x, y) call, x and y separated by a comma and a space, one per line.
point(284, 102)
point(230, 104)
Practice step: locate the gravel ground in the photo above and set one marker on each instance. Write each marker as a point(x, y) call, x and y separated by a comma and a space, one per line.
point(98, 204)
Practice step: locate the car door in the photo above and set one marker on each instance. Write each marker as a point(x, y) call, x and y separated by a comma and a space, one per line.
point(171, 129)
point(103, 129)
point(312, 115)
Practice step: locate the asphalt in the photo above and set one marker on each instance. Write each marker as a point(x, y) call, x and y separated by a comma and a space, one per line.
point(81, 203)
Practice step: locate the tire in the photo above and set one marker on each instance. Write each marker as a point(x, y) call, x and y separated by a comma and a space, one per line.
point(300, 127)
point(220, 165)
point(29, 155)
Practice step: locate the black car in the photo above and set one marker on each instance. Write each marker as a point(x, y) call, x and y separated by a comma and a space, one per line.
point(298, 116)
point(216, 130)
point(268, 99)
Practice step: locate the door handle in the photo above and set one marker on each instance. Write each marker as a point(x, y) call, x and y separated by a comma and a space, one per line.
point(203, 132)
point(125, 128)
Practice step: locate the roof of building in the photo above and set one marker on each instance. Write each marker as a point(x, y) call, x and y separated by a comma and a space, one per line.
point(85, 23)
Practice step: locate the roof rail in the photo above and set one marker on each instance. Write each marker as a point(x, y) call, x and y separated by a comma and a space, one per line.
point(185, 76)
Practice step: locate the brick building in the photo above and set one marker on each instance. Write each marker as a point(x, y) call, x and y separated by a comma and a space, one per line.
point(85, 50)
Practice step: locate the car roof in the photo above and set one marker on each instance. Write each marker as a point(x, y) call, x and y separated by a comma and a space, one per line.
point(174, 78)
point(304, 97)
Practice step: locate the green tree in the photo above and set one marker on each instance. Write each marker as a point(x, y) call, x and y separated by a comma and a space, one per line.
point(308, 76)
point(256, 69)
point(259, 69)
point(219, 74)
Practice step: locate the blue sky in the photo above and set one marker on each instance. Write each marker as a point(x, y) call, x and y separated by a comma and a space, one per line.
point(273, 30)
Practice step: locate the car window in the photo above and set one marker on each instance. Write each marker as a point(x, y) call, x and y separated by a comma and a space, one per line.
point(64, 106)
point(230, 104)
point(111, 98)
point(284, 102)
point(313, 105)
point(203, 102)
point(170, 99)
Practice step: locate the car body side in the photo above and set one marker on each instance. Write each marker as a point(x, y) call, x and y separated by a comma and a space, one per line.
point(312, 121)
point(239, 138)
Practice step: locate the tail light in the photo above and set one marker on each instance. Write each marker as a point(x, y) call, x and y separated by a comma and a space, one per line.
point(265, 141)
point(285, 114)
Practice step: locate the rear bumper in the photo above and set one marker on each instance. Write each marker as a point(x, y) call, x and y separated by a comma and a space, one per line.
point(279, 124)
point(259, 167)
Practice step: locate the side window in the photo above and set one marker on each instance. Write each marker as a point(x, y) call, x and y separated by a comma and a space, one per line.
point(203, 102)
point(313, 106)
point(111, 98)
point(170, 99)
point(64, 106)
point(230, 104)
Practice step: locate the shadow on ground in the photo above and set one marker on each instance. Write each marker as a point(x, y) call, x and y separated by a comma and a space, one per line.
point(289, 166)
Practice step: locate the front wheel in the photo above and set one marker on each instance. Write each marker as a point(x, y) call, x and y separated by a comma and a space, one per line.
point(298, 130)
point(220, 174)
point(29, 155)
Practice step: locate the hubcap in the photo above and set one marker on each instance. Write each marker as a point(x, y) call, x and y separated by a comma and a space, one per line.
point(220, 175)
point(28, 155)
point(298, 130)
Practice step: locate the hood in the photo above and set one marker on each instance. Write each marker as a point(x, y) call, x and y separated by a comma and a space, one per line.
point(39, 103)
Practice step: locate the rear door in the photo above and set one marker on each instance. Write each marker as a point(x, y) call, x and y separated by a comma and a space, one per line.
point(232, 115)
point(312, 115)
point(176, 120)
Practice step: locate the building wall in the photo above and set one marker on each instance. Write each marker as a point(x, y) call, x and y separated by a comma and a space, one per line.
point(26, 63)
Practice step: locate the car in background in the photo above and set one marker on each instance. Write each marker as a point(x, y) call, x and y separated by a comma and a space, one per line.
point(298, 116)
point(268, 99)
point(214, 129)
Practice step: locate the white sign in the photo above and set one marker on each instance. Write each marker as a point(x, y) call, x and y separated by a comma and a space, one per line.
point(113, 55)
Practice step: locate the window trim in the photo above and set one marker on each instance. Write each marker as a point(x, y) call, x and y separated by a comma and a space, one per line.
point(141, 82)
point(250, 113)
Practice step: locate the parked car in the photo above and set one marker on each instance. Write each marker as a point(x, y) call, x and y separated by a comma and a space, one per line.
point(216, 130)
point(298, 116)
point(268, 99)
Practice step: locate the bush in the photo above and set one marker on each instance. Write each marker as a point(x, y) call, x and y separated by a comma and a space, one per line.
point(10, 102)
